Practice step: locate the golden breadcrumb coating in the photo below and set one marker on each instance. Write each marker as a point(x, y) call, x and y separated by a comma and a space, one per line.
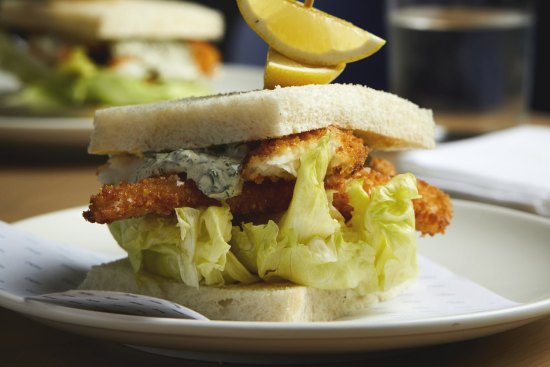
point(383, 166)
point(433, 211)
point(160, 195)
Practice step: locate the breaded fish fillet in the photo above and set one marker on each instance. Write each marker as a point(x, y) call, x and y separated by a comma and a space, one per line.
point(161, 195)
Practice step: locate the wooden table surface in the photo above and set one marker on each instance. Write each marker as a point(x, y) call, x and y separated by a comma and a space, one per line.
point(36, 180)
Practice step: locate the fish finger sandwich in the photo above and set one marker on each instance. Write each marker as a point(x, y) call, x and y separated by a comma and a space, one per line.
point(264, 205)
point(78, 54)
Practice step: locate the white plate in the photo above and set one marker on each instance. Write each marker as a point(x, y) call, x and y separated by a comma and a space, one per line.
point(505, 251)
point(75, 131)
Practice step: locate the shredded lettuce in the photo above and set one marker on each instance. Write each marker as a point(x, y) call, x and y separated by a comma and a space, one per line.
point(310, 244)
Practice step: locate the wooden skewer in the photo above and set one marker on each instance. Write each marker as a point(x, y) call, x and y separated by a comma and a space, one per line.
point(308, 3)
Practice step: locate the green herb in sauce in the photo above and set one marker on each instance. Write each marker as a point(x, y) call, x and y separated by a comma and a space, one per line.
point(216, 176)
point(216, 173)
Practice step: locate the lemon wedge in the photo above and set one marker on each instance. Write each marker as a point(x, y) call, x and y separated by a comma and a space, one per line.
point(282, 71)
point(308, 35)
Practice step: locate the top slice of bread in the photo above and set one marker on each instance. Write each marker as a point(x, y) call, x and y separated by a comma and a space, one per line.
point(385, 121)
point(115, 19)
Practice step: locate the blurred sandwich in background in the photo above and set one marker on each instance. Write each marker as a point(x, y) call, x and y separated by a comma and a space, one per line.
point(76, 55)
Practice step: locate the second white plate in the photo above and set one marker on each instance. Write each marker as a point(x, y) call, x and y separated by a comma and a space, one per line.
point(75, 131)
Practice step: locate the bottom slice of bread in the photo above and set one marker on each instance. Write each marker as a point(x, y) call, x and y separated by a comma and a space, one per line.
point(239, 302)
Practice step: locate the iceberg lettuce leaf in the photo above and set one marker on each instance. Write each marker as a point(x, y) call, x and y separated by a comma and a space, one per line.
point(193, 251)
point(313, 246)
point(385, 219)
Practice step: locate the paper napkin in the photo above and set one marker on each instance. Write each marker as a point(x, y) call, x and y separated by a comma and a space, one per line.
point(510, 167)
point(33, 268)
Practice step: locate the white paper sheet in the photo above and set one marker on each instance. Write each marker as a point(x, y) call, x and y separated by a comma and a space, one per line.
point(118, 302)
point(437, 292)
point(31, 266)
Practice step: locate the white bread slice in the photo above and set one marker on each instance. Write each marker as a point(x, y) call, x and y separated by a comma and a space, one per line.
point(385, 121)
point(115, 19)
point(255, 302)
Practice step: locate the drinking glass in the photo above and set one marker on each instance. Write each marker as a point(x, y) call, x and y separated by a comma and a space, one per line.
point(467, 60)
